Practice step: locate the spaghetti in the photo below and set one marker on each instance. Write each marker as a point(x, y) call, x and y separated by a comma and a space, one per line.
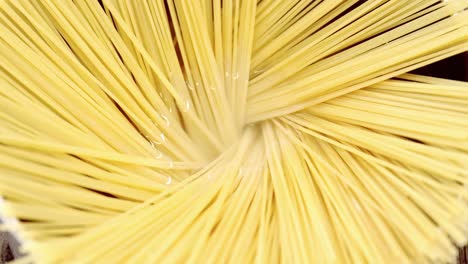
point(233, 131)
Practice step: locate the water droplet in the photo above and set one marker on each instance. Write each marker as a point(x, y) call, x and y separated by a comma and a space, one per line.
point(163, 138)
point(213, 88)
point(170, 109)
point(166, 120)
point(171, 164)
point(159, 154)
point(197, 84)
point(235, 76)
point(186, 106)
point(190, 86)
point(226, 74)
point(169, 180)
point(151, 142)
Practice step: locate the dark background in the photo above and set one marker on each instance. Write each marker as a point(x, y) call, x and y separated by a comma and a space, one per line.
point(455, 68)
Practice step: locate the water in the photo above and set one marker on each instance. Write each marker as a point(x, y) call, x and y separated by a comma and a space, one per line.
point(166, 120)
point(169, 180)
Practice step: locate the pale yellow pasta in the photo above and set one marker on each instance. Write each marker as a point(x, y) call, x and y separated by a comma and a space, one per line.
point(232, 131)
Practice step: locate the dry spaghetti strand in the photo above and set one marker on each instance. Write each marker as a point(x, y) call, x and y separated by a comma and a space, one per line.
point(232, 131)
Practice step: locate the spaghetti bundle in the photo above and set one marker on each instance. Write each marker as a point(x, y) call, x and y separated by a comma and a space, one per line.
point(233, 131)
